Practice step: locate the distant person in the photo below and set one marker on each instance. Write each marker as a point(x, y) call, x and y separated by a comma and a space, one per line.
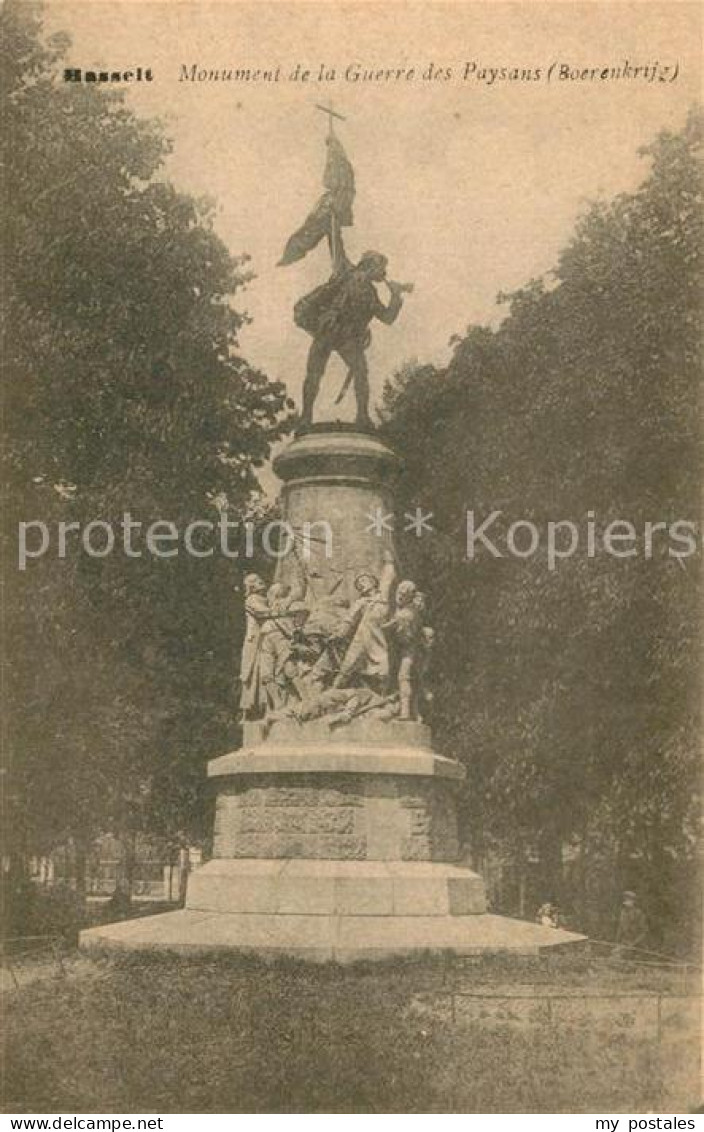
point(548, 915)
point(632, 931)
point(184, 868)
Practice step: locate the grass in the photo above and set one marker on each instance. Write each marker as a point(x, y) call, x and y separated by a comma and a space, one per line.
point(162, 1034)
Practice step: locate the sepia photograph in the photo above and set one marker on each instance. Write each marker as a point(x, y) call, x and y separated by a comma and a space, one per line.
point(351, 618)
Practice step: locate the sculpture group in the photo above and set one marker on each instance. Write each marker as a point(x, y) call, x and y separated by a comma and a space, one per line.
point(303, 658)
point(307, 660)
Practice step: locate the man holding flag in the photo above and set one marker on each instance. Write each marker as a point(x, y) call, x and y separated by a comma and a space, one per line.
point(338, 313)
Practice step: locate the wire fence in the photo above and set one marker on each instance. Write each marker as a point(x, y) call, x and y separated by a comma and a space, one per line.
point(649, 1036)
point(646, 1008)
point(17, 951)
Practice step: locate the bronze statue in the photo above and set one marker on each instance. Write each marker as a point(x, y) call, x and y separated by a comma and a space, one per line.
point(337, 314)
point(272, 615)
point(413, 639)
point(367, 652)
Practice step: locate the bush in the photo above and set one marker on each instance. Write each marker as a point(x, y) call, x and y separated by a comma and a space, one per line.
point(32, 910)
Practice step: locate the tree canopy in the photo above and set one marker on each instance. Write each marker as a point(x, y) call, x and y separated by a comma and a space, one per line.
point(571, 693)
point(124, 391)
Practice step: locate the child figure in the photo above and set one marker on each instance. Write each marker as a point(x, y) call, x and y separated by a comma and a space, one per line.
point(422, 679)
point(406, 625)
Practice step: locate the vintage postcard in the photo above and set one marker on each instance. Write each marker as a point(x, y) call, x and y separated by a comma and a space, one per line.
point(352, 560)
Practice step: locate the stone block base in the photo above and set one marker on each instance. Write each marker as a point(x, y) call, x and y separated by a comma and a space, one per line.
point(325, 938)
point(340, 911)
point(335, 888)
point(335, 805)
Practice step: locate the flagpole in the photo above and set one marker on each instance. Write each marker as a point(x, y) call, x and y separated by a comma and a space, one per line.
point(335, 241)
point(334, 222)
point(335, 255)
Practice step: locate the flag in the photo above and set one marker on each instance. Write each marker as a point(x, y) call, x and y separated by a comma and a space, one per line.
point(338, 181)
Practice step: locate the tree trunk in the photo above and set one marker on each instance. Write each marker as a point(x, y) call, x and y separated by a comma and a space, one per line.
point(130, 862)
point(550, 854)
point(80, 861)
point(124, 880)
point(522, 890)
point(579, 897)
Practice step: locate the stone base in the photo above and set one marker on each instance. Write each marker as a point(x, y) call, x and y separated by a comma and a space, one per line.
point(331, 910)
point(334, 836)
point(335, 802)
point(364, 736)
point(348, 755)
point(335, 888)
point(326, 938)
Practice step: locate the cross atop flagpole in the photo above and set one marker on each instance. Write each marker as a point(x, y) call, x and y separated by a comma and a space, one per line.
point(331, 113)
point(334, 237)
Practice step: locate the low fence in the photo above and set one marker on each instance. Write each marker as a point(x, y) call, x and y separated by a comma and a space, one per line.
point(635, 1011)
point(640, 1043)
point(16, 953)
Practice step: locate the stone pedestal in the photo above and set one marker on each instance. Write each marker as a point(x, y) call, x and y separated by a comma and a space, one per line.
point(334, 840)
point(336, 800)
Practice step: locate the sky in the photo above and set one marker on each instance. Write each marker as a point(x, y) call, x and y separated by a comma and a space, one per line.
point(470, 187)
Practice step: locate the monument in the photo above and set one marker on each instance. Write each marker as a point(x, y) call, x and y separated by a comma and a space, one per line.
point(335, 824)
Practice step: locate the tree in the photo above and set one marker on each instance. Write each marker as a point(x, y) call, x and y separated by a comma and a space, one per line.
point(576, 706)
point(124, 392)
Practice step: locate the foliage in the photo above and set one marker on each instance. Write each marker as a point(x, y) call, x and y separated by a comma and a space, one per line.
point(124, 392)
point(31, 910)
point(571, 693)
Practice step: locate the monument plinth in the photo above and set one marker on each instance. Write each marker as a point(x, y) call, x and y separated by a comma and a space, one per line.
point(335, 824)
